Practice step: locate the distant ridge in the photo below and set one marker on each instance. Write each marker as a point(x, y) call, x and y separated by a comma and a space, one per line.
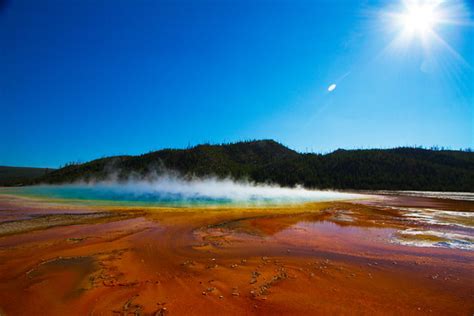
point(20, 175)
point(269, 161)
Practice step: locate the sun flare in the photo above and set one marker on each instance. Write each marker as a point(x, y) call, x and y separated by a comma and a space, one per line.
point(425, 22)
point(419, 18)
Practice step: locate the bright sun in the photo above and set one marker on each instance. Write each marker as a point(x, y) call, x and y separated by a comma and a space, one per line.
point(420, 22)
point(419, 18)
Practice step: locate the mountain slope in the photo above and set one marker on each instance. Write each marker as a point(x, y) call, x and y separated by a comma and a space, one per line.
point(269, 161)
point(19, 175)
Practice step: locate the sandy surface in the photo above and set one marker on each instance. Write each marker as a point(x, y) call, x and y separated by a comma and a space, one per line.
point(387, 256)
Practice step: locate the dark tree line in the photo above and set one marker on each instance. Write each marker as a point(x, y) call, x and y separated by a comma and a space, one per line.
point(268, 161)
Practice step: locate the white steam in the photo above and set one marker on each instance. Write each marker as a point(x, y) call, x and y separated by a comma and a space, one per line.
point(214, 188)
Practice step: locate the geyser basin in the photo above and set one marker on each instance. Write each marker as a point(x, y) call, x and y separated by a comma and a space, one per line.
point(175, 191)
point(76, 256)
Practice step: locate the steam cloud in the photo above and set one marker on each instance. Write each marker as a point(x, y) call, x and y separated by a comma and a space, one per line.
point(170, 187)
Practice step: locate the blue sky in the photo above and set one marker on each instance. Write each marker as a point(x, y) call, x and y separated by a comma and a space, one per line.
point(85, 79)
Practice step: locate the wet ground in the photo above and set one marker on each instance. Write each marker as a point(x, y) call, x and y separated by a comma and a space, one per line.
point(386, 255)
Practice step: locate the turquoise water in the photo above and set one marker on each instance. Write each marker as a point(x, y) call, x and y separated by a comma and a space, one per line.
point(111, 195)
point(176, 192)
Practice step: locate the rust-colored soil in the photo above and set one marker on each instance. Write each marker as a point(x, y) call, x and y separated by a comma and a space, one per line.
point(312, 259)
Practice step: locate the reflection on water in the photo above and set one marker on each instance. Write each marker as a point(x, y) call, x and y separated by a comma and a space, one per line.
point(336, 235)
point(438, 217)
point(433, 238)
point(437, 228)
point(360, 228)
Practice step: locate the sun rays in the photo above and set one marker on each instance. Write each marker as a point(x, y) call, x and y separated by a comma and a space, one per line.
point(417, 22)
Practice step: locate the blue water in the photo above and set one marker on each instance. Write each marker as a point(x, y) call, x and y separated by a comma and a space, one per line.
point(176, 192)
point(111, 195)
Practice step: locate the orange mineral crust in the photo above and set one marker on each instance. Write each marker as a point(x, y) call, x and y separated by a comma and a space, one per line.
point(385, 256)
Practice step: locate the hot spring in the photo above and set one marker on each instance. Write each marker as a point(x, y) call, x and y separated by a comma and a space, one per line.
point(174, 191)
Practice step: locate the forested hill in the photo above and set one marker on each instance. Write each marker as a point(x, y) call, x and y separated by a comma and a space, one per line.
point(20, 175)
point(269, 161)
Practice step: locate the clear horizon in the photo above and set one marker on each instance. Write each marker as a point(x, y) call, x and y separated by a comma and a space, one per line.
point(89, 79)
